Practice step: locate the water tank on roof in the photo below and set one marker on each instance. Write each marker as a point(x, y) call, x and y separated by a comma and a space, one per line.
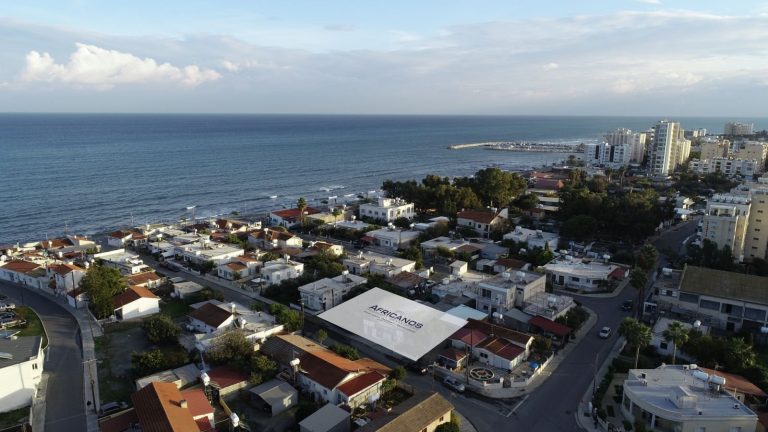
point(714, 379)
point(703, 376)
point(205, 378)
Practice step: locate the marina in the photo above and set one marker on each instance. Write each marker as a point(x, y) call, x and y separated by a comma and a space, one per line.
point(523, 146)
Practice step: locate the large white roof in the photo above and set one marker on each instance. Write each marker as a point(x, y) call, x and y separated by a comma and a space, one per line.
point(403, 326)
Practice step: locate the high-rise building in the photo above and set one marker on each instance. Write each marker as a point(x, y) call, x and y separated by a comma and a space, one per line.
point(736, 128)
point(751, 150)
point(714, 149)
point(668, 150)
point(635, 140)
point(726, 220)
point(612, 155)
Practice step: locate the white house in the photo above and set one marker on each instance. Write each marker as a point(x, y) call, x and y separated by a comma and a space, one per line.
point(66, 277)
point(327, 293)
point(657, 336)
point(289, 217)
point(135, 302)
point(238, 268)
point(483, 222)
point(25, 273)
point(388, 209)
point(209, 318)
point(182, 288)
point(206, 250)
point(508, 290)
point(127, 262)
point(21, 367)
point(584, 275)
point(496, 346)
point(430, 247)
point(279, 270)
point(394, 238)
point(119, 239)
point(149, 279)
point(273, 239)
point(534, 238)
point(374, 263)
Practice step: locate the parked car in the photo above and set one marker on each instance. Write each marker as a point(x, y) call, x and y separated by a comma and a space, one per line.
point(111, 408)
point(605, 332)
point(454, 384)
point(627, 305)
point(4, 315)
point(7, 306)
point(417, 367)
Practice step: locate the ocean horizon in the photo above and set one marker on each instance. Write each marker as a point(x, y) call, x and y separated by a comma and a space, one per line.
point(89, 173)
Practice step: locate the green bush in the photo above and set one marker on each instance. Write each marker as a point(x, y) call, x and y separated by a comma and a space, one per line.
point(627, 425)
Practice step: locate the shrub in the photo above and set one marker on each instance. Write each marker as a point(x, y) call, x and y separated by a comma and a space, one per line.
point(161, 330)
point(345, 351)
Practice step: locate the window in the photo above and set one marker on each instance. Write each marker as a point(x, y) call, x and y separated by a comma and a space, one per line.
point(575, 279)
point(689, 298)
point(441, 418)
point(754, 314)
point(34, 366)
point(709, 304)
point(486, 293)
point(663, 345)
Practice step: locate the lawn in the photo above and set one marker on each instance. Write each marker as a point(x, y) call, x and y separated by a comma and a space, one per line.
point(174, 308)
point(34, 326)
point(14, 417)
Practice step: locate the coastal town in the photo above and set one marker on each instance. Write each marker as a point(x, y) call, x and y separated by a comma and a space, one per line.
point(625, 288)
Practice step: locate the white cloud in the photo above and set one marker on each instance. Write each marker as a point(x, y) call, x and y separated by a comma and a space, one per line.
point(90, 65)
point(650, 2)
point(551, 66)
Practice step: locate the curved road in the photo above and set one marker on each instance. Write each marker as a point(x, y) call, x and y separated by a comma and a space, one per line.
point(65, 407)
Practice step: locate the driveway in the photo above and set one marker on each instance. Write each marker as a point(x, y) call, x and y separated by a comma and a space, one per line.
point(65, 406)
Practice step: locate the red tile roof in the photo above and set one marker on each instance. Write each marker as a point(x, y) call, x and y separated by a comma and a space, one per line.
point(133, 293)
point(159, 409)
point(197, 403)
point(468, 336)
point(737, 382)
point(481, 216)
point(211, 314)
point(226, 376)
point(360, 383)
point(502, 348)
point(548, 183)
point(511, 263)
point(550, 326)
point(119, 422)
point(618, 273)
point(21, 266)
point(57, 243)
point(143, 278)
point(204, 424)
point(294, 212)
point(65, 269)
point(506, 333)
point(236, 266)
point(323, 372)
point(120, 234)
point(453, 354)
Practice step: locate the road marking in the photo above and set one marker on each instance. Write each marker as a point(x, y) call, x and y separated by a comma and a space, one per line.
point(525, 398)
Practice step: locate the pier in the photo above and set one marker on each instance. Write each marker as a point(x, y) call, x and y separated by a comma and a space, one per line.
point(523, 146)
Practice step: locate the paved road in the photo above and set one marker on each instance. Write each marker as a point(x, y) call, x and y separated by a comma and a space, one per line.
point(64, 400)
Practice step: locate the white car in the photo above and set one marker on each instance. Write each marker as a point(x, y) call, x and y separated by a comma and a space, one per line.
point(605, 332)
point(454, 384)
point(7, 306)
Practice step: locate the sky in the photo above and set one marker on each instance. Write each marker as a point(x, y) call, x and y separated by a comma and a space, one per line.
point(507, 57)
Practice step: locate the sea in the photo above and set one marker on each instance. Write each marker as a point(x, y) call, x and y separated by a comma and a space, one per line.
point(91, 173)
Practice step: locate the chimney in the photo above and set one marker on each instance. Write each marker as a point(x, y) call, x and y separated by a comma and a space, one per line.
point(183, 403)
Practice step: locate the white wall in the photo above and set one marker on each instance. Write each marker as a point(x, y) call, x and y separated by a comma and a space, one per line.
point(141, 307)
point(19, 383)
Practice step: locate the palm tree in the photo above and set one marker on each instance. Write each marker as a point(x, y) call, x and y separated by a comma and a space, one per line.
point(637, 335)
point(301, 204)
point(646, 257)
point(639, 279)
point(336, 212)
point(676, 334)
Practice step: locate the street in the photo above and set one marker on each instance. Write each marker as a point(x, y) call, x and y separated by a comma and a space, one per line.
point(64, 399)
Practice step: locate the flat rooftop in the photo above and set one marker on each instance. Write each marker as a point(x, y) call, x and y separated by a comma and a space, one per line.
point(579, 268)
point(511, 280)
point(663, 386)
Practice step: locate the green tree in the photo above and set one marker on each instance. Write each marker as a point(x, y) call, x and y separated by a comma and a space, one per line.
point(496, 187)
point(541, 345)
point(738, 354)
point(262, 368)
point(336, 212)
point(230, 348)
point(321, 336)
point(301, 204)
point(638, 278)
point(646, 257)
point(345, 351)
point(448, 427)
point(102, 284)
point(677, 334)
point(637, 334)
point(160, 329)
point(147, 362)
point(397, 374)
point(402, 222)
point(323, 265)
point(413, 253)
point(527, 202)
point(291, 319)
point(580, 227)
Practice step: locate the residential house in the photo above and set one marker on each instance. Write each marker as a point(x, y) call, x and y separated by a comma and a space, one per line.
point(508, 290)
point(534, 238)
point(182, 288)
point(493, 345)
point(423, 412)
point(510, 265)
point(326, 293)
point(409, 283)
point(149, 279)
point(726, 300)
point(232, 270)
point(388, 210)
point(657, 336)
point(210, 318)
point(587, 275)
point(135, 302)
point(65, 277)
point(276, 395)
point(683, 398)
point(228, 380)
point(233, 226)
point(289, 217)
point(370, 262)
point(446, 244)
point(205, 251)
point(24, 273)
point(160, 406)
point(127, 262)
point(276, 271)
point(483, 222)
point(394, 238)
point(269, 239)
point(119, 238)
point(255, 326)
point(21, 368)
point(324, 374)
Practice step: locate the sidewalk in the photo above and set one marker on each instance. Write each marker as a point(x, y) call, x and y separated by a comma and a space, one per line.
point(88, 330)
point(583, 414)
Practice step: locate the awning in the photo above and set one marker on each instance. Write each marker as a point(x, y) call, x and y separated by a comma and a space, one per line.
point(549, 326)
